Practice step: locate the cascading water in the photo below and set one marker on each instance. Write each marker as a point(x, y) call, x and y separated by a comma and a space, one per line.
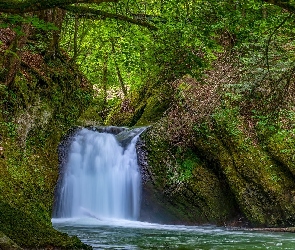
point(101, 178)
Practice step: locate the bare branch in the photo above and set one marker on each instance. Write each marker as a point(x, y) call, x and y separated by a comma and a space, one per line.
point(17, 7)
point(285, 4)
point(92, 13)
point(270, 37)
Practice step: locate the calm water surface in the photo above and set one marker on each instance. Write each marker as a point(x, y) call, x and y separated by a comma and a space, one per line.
point(122, 234)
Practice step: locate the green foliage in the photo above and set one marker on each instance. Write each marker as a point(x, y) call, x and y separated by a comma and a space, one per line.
point(177, 48)
point(242, 146)
point(188, 163)
point(227, 120)
point(189, 37)
point(15, 21)
point(10, 127)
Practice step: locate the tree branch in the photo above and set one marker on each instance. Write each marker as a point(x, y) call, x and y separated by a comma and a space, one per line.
point(18, 7)
point(92, 13)
point(270, 37)
point(283, 4)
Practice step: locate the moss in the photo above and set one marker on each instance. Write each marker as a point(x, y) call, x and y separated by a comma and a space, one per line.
point(263, 189)
point(121, 115)
point(142, 107)
point(7, 244)
point(92, 116)
point(156, 105)
point(281, 146)
point(193, 193)
point(29, 232)
point(32, 123)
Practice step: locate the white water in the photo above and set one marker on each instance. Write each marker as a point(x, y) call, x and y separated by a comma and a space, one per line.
point(101, 178)
point(92, 222)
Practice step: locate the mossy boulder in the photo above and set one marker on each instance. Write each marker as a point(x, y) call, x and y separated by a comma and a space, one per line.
point(227, 175)
point(263, 189)
point(29, 231)
point(183, 186)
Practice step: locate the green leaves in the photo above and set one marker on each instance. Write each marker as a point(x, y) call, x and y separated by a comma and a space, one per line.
point(15, 22)
point(40, 24)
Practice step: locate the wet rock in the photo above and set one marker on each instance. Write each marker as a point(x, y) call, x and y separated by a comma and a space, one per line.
point(7, 244)
point(107, 129)
point(142, 157)
point(63, 149)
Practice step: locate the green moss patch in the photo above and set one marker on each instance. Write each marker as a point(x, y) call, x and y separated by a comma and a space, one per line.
point(281, 146)
point(7, 244)
point(262, 188)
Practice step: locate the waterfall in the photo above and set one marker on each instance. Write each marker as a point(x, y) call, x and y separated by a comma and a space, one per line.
point(101, 178)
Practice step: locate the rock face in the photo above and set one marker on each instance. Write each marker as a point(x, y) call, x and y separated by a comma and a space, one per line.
point(34, 117)
point(196, 197)
point(153, 208)
point(209, 159)
point(225, 178)
point(262, 186)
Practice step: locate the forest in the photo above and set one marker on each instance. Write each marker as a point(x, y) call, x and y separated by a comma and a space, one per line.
point(214, 82)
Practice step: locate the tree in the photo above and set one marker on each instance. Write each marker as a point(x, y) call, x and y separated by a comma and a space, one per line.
point(53, 12)
point(17, 7)
point(287, 5)
point(21, 7)
point(185, 41)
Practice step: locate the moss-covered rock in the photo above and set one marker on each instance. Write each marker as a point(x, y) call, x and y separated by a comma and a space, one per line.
point(281, 147)
point(263, 188)
point(29, 231)
point(34, 117)
point(224, 172)
point(183, 186)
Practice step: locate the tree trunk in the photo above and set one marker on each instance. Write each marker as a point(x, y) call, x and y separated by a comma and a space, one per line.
point(13, 55)
point(105, 80)
point(76, 38)
point(120, 78)
point(55, 16)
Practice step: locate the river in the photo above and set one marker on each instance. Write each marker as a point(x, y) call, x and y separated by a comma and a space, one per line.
point(124, 234)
